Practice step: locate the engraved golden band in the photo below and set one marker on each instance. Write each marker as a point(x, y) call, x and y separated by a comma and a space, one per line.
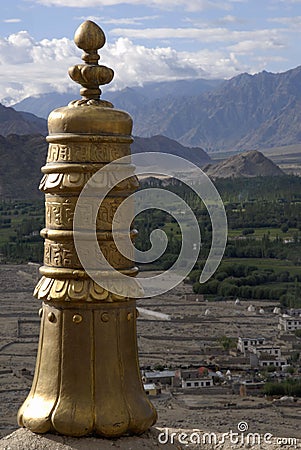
point(62, 235)
point(60, 272)
point(88, 167)
point(89, 138)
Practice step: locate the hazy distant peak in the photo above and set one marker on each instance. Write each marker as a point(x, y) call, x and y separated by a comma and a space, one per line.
point(247, 164)
point(13, 122)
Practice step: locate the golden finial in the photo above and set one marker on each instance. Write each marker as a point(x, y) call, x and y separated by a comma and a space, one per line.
point(90, 38)
point(87, 378)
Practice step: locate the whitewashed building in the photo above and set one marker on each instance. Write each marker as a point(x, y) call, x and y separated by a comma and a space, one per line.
point(270, 361)
point(265, 356)
point(159, 376)
point(289, 323)
point(266, 349)
point(197, 383)
point(244, 344)
point(152, 389)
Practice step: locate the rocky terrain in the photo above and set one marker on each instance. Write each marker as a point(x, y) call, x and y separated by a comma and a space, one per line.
point(20, 171)
point(179, 439)
point(247, 112)
point(128, 98)
point(190, 337)
point(163, 144)
point(248, 164)
point(13, 122)
point(23, 155)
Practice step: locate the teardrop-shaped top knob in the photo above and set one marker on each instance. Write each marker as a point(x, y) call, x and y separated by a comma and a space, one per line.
point(90, 37)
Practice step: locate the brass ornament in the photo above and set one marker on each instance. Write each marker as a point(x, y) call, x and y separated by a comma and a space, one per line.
point(77, 318)
point(87, 378)
point(89, 37)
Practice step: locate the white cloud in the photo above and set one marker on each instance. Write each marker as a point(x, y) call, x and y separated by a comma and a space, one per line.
point(16, 49)
point(263, 61)
point(247, 47)
point(136, 64)
point(191, 5)
point(217, 63)
point(163, 33)
point(206, 35)
point(229, 19)
point(292, 22)
point(12, 20)
point(30, 67)
point(119, 21)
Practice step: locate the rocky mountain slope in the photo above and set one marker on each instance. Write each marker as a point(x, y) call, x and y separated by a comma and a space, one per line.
point(21, 158)
point(128, 98)
point(13, 122)
point(163, 144)
point(249, 164)
point(244, 113)
point(23, 155)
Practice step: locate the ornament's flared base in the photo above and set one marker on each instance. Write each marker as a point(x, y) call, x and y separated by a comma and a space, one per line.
point(87, 378)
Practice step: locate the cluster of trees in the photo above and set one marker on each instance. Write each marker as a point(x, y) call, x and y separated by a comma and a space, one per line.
point(265, 248)
point(150, 220)
point(23, 221)
point(264, 214)
point(250, 203)
point(21, 252)
point(245, 281)
point(285, 189)
point(290, 387)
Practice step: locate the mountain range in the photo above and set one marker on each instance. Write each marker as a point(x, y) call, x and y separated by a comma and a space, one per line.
point(165, 145)
point(246, 112)
point(21, 159)
point(20, 123)
point(129, 99)
point(23, 155)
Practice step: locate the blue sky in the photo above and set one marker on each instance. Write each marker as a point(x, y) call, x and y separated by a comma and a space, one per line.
point(147, 40)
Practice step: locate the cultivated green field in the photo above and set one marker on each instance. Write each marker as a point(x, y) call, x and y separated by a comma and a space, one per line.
point(259, 233)
point(265, 263)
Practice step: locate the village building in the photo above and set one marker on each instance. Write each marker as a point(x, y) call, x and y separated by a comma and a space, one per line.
point(249, 387)
point(270, 361)
point(265, 356)
point(244, 344)
point(266, 360)
point(289, 322)
point(197, 383)
point(151, 389)
point(162, 377)
point(294, 312)
point(266, 349)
